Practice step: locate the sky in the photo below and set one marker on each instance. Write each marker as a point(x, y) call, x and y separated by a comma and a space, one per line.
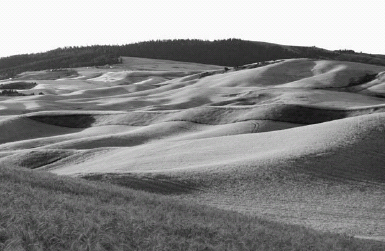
point(31, 26)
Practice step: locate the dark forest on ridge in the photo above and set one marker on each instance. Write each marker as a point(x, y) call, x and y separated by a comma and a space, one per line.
point(230, 52)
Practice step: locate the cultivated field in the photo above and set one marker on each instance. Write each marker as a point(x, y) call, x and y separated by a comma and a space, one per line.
point(297, 141)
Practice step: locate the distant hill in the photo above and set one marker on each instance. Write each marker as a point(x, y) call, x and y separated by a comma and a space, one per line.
point(69, 57)
point(230, 52)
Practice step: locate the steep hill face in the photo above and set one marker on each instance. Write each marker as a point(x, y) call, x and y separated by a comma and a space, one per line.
point(230, 52)
point(294, 140)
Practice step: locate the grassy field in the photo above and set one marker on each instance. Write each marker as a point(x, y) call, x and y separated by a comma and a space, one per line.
point(42, 211)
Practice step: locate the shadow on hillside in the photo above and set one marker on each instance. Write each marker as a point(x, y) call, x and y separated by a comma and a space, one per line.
point(71, 121)
point(155, 184)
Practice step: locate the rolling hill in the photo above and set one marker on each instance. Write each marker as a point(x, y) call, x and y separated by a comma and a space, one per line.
point(296, 141)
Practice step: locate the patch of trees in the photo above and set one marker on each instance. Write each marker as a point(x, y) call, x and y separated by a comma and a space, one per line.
point(12, 92)
point(346, 51)
point(229, 52)
point(18, 85)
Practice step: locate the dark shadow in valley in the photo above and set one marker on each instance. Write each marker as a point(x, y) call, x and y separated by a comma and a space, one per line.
point(71, 121)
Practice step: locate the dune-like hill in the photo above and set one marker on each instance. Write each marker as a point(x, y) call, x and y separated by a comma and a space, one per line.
point(293, 140)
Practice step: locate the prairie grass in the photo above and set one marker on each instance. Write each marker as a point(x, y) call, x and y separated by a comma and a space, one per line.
point(42, 211)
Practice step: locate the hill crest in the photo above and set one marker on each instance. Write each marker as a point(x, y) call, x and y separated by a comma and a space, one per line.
point(229, 52)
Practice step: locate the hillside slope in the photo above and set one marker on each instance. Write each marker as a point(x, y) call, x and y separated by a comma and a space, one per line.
point(41, 211)
point(295, 140)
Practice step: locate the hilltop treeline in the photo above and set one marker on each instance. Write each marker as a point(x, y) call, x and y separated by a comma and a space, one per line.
point(230, 52)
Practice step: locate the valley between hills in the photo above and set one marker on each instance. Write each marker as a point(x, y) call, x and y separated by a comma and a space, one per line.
point(296, 141)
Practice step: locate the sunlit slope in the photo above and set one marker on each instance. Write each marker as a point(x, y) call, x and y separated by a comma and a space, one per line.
point(322, 175)
point(299, 73)
point(199, 106)
point(298, 81)
point(336, 74)
point(354, 140)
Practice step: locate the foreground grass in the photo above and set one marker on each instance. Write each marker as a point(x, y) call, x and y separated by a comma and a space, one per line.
point(42, 211)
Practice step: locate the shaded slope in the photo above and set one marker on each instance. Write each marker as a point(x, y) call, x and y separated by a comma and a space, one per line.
point(21, 128)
